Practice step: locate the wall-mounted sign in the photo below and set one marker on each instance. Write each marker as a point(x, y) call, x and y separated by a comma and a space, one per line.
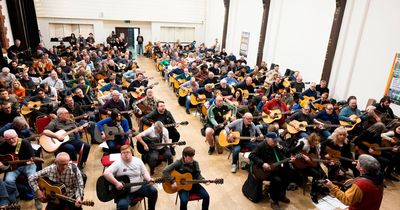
point(244, 43)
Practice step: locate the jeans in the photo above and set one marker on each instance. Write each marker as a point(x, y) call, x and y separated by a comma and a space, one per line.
point(187, 104)
point(198, 189)
point(326, 133)
point(73, 148)
point(12, 176)
point(153, 156)
point(236, 150)
point(145, 191)
point(140, 49)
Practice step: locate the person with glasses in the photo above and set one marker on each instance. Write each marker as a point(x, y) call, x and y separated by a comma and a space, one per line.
point(327, 116)
point(246, 128)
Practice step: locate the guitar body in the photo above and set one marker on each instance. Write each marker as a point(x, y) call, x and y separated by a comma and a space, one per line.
point(302, 126)
point(26, 109)
point(197, 100)
point(178, 83)
point(223, 138)
point(106, 191)
point(52, 144)
point(145, 110)
point(319, 106)
point(5, 159)
point(306, 100)
point(260, 173)
point(277, 116)
point(183, 92)
point(11, 161)
point(149, 141)
point(180, 180)
point(375, 146)
point(301, 163)
point(50, 189)
point(138, 95)
point(333, 154)
point(349, 125)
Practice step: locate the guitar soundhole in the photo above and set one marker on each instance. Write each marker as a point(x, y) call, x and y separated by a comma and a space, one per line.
point(183, 181)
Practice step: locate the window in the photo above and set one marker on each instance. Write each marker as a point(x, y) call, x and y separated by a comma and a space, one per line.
point(60, 30)
point(171, 34)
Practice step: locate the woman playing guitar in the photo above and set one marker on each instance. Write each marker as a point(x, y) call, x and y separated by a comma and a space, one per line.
point(338, 148)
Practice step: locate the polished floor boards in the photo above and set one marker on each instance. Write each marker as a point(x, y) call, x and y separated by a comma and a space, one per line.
point(227, 196)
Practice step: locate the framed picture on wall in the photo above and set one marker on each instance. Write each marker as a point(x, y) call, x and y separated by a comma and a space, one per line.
point(393, 84)
point(244, 43)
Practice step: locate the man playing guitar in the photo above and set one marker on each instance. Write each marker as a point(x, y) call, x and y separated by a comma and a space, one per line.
point(188, 165)
point(137, 172)
point(22, 150)
point(75, 144)
point(156, 134)
point(63, 172)
point(115, 120)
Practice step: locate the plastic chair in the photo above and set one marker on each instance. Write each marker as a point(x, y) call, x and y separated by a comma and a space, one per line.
point(136, 200)
point(192, 197)
point(243, 150)
point(41, 122)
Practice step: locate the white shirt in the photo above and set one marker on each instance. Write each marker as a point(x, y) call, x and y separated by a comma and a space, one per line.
point(150, 132)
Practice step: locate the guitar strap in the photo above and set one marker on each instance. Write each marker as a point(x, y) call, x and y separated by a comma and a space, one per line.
point(276, 156)
point(18, 146)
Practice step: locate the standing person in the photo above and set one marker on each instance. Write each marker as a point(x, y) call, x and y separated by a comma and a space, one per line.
point(134, 168)
point(366, 192)
point(188, 165)
point(61, 171)
point(140, 41)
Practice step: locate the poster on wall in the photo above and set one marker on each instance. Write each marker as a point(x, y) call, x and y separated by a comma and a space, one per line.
point(244, 43)
point(393, 84)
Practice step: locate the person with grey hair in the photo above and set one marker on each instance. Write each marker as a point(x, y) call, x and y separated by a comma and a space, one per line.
point(366, 191)
point(20, 125)
point(75, 144)
point(157, 133)
point(22, 150)
point(6, 76)
point(63, 172)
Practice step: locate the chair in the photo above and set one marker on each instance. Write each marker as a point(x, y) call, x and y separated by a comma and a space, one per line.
point(243, 150)
point(136, 200)
point(105, 160)
point(192, 197)
point(41, 122)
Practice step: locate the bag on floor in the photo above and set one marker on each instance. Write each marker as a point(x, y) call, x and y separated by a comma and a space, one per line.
point(252, 189)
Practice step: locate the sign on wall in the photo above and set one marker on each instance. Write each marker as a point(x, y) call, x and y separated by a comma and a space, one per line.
point(393, 84)
point(244, 43)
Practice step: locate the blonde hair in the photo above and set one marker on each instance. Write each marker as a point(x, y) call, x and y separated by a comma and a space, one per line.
point(334, 136)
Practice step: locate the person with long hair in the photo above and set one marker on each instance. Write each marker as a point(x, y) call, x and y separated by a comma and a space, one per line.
point(18, 91)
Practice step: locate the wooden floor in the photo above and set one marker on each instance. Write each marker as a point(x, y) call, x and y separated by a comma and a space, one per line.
point(226, 196)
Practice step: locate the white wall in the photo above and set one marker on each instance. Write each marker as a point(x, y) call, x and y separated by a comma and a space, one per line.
point(298, 34)
point(244, 17)
point(145, 28)
point(214, 21)
point(368, 42)
point(7, 24)
point(136, 10)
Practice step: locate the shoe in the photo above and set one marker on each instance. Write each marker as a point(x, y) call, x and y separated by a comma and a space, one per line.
point(187, 111)
point(314, 198)
point(211, 150)
point(284, 199)
point(391, 177)
point(275, 205)
point(219, 149)
point(292, 186)
point(234, 168)
point(173, 151)
point(38, 204)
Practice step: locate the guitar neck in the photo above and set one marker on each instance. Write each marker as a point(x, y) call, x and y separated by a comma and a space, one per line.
point(199, 181)
point(128, 185)
point(281, 162)
point(72, 131)
point(71, 200)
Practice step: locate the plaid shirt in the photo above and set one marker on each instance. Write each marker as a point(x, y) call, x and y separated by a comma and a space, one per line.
point(72, 181)
point(148, 102)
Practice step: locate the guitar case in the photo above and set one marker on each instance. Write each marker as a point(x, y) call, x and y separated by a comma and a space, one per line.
point(252, 189)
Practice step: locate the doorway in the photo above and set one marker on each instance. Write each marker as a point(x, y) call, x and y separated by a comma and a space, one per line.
point(129, 34)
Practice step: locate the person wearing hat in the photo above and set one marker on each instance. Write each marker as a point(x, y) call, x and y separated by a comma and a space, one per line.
point(264, 155)
point(366, 192)
point(21, 149)
point(246, 128)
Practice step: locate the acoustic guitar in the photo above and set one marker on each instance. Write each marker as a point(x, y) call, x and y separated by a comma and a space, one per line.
point(151, 144)
point(141, 89)
point(277, 115)
point(54, 192)
point(145, 127)
point(261, 174)
point(32, 105)
point(104, 116)
point(301, 163)
point(178, 82)
point(223, 138)
point(106, 191)
point(197, 100)
point(84, 115)
point(350, 125)
point(246, 94)
point(110, 133)
point(376, 147)
point(303, 125)
point(183, 92)
point(50, 144)
point(306, 100)
point(336, 155)
point(185, 182)
point(11, 163)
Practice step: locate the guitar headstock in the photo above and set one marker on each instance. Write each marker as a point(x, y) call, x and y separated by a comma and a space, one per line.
point(218, 181)
point(180, 143)
point(184, 123)
point(88, 203)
